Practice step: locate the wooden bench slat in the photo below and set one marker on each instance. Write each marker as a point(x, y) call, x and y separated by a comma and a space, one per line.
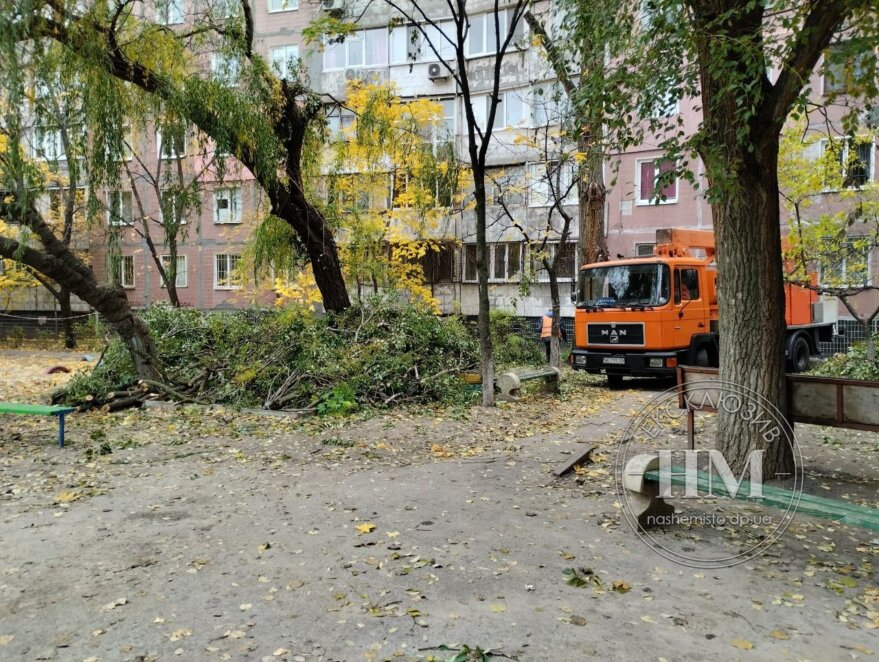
point(780, 498)
point(33, 410)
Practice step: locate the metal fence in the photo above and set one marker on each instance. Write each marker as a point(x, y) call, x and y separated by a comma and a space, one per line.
point(47, 329)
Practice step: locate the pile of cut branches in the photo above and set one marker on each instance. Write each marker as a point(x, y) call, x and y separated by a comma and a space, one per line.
point(376, 354)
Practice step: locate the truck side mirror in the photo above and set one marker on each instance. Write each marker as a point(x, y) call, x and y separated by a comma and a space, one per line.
point(573, 292)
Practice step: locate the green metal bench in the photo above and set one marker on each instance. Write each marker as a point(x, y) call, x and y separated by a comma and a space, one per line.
point(38, 410)
point(642, 481)
point(510, 383)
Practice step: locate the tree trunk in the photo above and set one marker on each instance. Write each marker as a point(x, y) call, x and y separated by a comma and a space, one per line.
point(59, 264)
point(171, 272)
point(591, 197)
point(751, 304)
point(485, 347)
point(556, 317)
point(66, 317)
point(870, 343)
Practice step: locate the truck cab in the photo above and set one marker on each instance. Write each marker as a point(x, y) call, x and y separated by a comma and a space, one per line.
point(645, 316)
point(639, 316)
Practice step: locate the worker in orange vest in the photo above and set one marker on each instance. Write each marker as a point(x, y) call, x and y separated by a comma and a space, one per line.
point(546, 332)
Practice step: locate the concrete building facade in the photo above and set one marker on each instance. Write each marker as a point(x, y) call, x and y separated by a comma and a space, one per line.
point(215, 234)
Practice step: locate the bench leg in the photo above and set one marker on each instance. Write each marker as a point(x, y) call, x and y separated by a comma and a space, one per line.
point(649, 508)
point(60, 430)
point(508, 384)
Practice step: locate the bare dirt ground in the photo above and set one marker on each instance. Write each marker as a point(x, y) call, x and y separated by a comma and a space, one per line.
point(210, 535)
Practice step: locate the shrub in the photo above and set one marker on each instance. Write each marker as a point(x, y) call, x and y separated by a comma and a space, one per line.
point(510, 347)
point(377, 353)
point(853, 364)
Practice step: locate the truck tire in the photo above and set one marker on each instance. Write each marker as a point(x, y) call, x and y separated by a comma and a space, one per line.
point(798, 359)
point(702, 358)
point(615, 381)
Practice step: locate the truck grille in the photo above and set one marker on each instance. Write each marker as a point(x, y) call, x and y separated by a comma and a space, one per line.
point(615, 334)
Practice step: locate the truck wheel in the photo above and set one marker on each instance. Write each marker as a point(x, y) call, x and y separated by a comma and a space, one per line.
point(799, 355)
point(615, 381)
point(703, 360)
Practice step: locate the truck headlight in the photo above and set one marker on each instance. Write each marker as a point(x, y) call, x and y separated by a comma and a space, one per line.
point(655, 363)
point(580, 360)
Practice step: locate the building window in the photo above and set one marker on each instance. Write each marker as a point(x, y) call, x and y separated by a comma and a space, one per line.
point(224, 8)
point(438, 263)
point(847, 266)
point(444, 131)
point(649, 171)
point(122, 271)
point(843, 69)
point(550, 182)
point(854, 158)
point(283, 5)
point(170, 144)
point(549, 107)
point(169, 12)
point(566, 266)
point(180, 279)
point(367, 48)
point(666, 106)
point(119, 208)
point(226, 68)
point(171, 208)
point(644, 250)
point(48, 145)
point(513, 110)
point(470, 275)
point(227, 205)
point(486, 29)
point(225, 271)
point(284, 59)
point(348, 192)
point(504, 262)
point(411, 43)
point(339, 120)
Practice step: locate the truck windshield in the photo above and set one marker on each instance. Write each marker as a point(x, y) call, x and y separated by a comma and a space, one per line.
point(624, 285)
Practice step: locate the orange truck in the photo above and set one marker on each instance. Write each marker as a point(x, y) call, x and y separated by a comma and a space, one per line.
point(645, 316)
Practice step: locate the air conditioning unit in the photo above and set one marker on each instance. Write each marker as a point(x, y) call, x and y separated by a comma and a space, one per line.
point(437, 71)
point(330, 5)
point(352, 74)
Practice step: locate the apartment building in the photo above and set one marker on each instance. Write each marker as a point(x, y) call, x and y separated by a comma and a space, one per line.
point(213, 235)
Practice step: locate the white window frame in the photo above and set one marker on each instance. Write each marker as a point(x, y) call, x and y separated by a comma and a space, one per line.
point(230, 268)
point(671, 108)
point(226, 69)
point(823, 145)
point(50, 138)
point(175, 9)
point(407, 43)
point(123, 281)
point(169, 157)
point(542, 274)
point(357, 41)
point(282, 6)
point(174, 211)
point(844, 266)
point(116, 217)
point(487, 31)
point(639, 202)
point(166, 260)
point(233, 194)
point(281, 56)
point(543, 197)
